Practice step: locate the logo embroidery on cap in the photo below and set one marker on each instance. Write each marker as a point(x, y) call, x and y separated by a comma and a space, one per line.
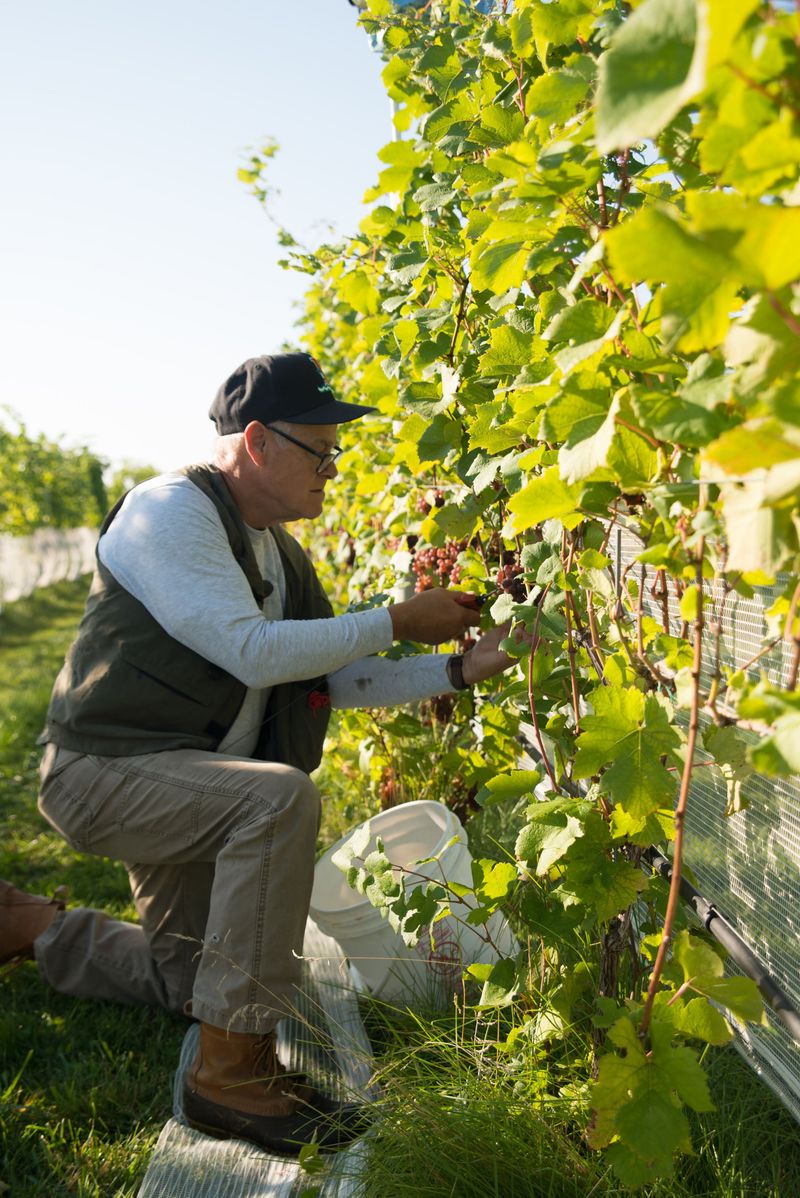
point(324, 386)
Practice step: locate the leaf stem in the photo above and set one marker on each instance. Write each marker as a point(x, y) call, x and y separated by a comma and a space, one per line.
point(662, 594)
point(624, 182)
point(573, 672)
point(601, 198)
point(593, 630)
point(761, 653)
point(680, 810)
point(531, 702)
point(777, 100)
point(795, 637)
point(640, 611)
point(791, 321)
point(459, 317)
point(640, 432)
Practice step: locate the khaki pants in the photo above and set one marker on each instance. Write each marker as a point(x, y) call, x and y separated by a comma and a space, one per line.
point(220, 855)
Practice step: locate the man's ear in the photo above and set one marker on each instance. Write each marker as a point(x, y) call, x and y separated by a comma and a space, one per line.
point(255, 441)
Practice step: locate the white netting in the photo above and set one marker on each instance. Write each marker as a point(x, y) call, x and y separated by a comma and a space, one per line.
point(324, 1039)
point(46, 556)
point(747, 864)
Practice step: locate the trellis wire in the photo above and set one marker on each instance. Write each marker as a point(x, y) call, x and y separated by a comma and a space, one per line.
point(749, 862)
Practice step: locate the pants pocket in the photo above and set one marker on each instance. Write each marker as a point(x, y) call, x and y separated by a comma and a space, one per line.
point(65, 812)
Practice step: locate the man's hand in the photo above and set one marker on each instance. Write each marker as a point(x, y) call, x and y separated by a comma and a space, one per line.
point(434, 616)
point(485, 658)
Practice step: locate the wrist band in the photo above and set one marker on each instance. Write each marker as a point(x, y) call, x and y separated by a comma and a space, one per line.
point(455, 672)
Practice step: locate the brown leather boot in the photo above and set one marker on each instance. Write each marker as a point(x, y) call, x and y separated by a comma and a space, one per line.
point(236, 1086)
point(23, 917)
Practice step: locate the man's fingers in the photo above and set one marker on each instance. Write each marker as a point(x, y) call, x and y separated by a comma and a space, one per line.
point(474, 602)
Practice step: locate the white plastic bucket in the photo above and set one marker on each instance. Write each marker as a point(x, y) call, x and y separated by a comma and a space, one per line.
point(379, 960)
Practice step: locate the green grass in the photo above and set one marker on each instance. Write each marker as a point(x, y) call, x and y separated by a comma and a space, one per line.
point(459, 1120)
point(85, 1088)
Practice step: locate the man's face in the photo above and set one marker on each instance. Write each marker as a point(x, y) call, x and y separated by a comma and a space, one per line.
point(289, 486)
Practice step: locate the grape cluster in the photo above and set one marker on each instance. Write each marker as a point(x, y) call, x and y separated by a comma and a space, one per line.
point(437, 567)
point(461, 798)
point(510, 579)
point(437, 710)
point(388, 790)
point(428, 499)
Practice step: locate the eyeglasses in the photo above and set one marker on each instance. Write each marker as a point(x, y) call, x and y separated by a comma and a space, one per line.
point(325, 459)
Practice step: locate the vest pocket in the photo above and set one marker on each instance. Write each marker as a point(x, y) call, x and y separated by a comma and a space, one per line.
point(142, 673)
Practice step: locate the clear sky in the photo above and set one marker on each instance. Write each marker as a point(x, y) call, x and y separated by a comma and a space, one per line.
point(135, 270)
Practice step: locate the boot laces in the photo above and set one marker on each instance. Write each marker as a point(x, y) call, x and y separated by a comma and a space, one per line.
point(266, 1065)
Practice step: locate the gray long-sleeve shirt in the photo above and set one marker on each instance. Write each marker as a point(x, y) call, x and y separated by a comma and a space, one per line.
point(168, 548)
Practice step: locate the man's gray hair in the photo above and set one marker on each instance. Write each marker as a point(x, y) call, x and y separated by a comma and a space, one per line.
point(227, 449)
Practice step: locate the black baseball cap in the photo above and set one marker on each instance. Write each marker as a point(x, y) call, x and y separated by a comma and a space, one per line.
point(288, 387)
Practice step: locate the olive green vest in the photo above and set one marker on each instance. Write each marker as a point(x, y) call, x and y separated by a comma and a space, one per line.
point(127, 687)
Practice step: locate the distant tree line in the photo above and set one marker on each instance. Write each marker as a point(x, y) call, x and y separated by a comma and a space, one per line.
point(44, 484)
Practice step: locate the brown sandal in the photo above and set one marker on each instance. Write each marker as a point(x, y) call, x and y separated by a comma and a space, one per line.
point(23, 918)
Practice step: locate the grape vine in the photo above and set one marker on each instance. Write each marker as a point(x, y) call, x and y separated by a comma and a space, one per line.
point(574, 300)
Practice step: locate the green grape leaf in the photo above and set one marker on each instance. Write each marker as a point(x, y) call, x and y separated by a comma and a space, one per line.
point(439, 439)
point(690, 604)
point(509, 350)
point(552, 923)
point(508, 786)
point(760, 345)
point(417, 912)
point(495, 427)
point(434, 196)
point(603, 885)
point(653, 1126)
point(546, 842)
point(633, 1170)
point(677, 1068)
point(501, 982)
point(720, 22)
point(357, 290)
point(353, 847)
point(499, 126)
point(779, 753)
point(493, 880)
point(702, 970)
point(617, 712)
point(655, 246)
point(762, 240)
point(637, 780)
point(756, 444)
point(760, 538)
point(648, 73)
point(632, 460)
point(546, 497)
point(554, 97)
point(458, 521)
point(573, 414)
point(634, 733)
point(498, 265)
point(740, 996)
point(670, 418)
point(406, 332)
point(701, 1021)
point(729, 750)
point(582, 456)
point(695, 956)
point(586, 320)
